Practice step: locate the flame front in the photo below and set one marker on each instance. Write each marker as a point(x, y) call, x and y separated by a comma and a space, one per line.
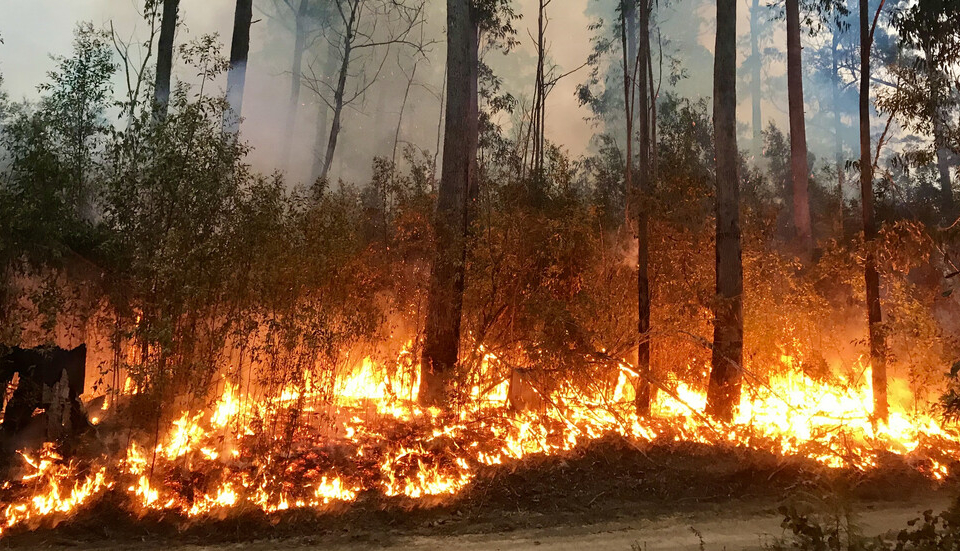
point(376, 439)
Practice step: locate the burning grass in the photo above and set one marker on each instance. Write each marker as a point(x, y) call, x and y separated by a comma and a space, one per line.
point(373, 442)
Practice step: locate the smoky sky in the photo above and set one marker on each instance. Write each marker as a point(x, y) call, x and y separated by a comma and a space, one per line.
point(33, 30)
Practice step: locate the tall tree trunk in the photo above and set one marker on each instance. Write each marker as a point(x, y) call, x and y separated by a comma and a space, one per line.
point(654, 151)
point(237, 74)
point(537, 161)
point(878, 356)
point(168, 28)
point(296, 70)
point(630, 22)
point(628, 13)
point(798, 133)
point(348, 37)
point(642, 386)
point(457, 179)
point(534, 139)
point(837, 125)
point(723, 393)
point(755, 74)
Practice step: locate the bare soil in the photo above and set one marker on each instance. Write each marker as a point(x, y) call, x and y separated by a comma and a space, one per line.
point(610, 494)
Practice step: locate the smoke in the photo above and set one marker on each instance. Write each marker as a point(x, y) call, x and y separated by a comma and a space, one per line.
point(35, 29)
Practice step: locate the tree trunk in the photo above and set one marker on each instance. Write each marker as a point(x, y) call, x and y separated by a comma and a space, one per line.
point(837, 125)
point(237, 74)
point(403, 107)
point(348, 36)
point(798, 133)
point(322, 133)
point(642, 386)
point(723, 394)
point(654, 152)
point(755, 74)
point(628, 13)
point(872, 278)
point(168, 28)
point(296, 70)
point(457, 178)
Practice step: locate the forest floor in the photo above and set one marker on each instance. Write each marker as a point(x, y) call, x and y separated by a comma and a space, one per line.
point(608, 495)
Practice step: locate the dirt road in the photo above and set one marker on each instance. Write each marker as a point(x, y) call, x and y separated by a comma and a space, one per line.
point(728, 528)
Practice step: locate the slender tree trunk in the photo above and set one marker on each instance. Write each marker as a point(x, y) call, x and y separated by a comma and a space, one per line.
point(168, 28)
point(296, 71)
point(628, 12)
point(537, 160)
point(322, 133)
point(458, 178)
point(237, 74)
point(837, 125)
point(348, 38)
point(755, 74)
point(798, 133)
point(440, 119)
point(632, 64)
point(723, 393)
point(403, 107)
point(642, 386)
point(654, 151)
point(872, 278)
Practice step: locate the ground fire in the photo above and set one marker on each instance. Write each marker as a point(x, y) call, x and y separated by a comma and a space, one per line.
point(372, 437)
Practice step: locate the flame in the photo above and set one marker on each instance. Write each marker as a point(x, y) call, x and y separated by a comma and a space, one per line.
point(381, 441)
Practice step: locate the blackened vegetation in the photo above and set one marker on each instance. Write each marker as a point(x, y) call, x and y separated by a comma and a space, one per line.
point(49, 379)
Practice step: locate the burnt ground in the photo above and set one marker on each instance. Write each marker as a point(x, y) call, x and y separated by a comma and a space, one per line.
point(607, 486)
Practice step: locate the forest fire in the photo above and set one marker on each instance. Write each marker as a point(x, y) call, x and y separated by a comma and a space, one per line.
point(374, 439)
point(517, 288)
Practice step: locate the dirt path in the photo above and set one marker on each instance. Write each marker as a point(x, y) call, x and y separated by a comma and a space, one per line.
point(681, 532)
point(733, 527)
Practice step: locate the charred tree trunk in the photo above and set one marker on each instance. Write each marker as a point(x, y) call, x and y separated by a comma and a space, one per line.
point(798, 133)
point(723, 394)
point(642, 386)
point(296, 71)
point(237, 74)
point(755, 75)
point(168, 28)
point(878, 356)
point(457, 179)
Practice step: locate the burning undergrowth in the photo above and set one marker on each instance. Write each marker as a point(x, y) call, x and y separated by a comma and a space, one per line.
point(372, 446)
